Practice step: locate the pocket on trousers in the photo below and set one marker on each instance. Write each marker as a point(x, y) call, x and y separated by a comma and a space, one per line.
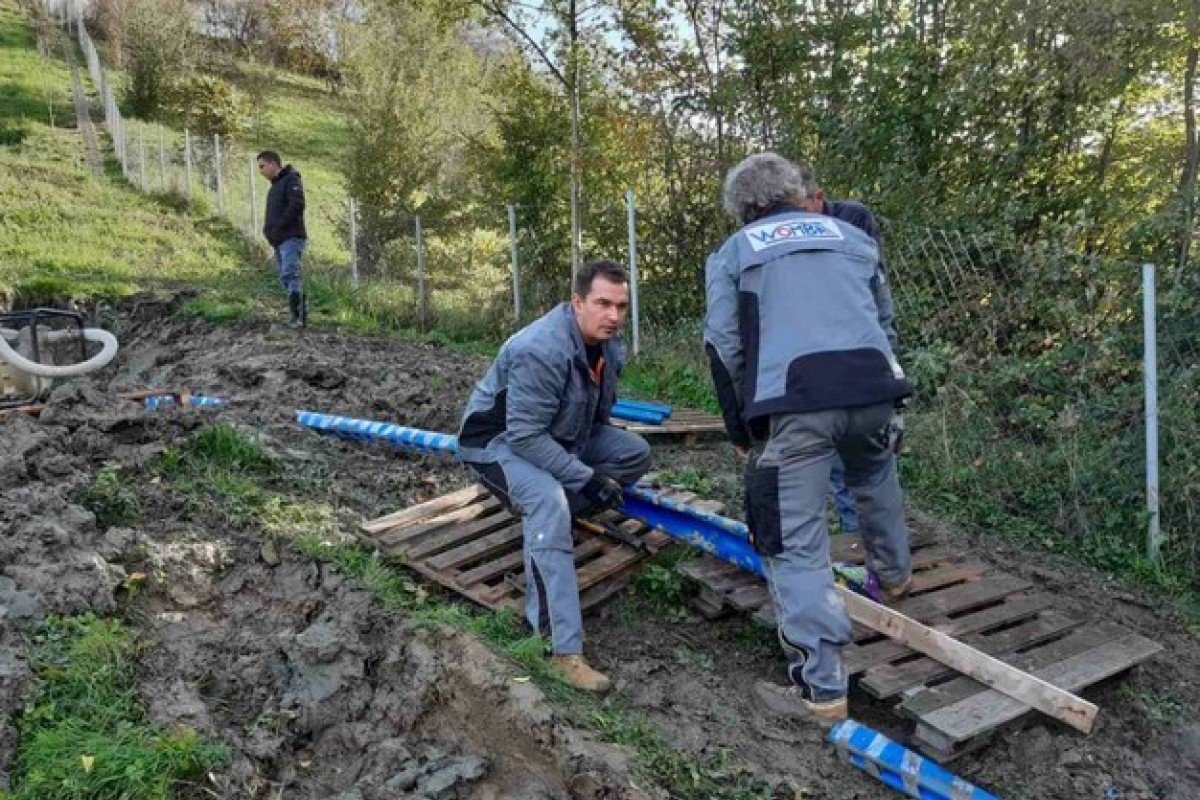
point(762, 510)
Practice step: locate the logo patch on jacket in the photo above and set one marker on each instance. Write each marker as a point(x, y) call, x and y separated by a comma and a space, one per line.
point(769, 234)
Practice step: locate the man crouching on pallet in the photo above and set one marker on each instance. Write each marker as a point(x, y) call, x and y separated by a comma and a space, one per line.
point(537, 432)
point(803, 371)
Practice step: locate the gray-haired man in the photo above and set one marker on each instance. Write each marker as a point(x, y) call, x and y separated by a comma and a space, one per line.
point(804, 371)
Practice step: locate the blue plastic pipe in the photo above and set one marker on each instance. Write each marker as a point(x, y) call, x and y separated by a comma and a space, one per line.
point(632, 414)
point(368, 432)
point(159, 400)
point(723, 538)
point(898, 767)
point(653, 408)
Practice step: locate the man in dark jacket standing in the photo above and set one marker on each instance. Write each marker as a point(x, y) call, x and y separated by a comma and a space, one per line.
point(283, 226)
point(796, 333)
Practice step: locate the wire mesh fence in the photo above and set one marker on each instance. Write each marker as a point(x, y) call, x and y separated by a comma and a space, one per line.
point(1029, 361)
point(1030, 412)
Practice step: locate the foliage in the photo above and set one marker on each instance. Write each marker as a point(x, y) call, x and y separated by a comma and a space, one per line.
point(113, 501)
point(206, 104)
point(84, 735)
point(157, 41)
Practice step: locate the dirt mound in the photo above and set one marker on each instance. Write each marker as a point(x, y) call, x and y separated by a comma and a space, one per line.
point(319, 693)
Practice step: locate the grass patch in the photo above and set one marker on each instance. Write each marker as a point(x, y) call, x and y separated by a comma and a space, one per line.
point(113, 501)
point(219, 470)
point(672, 369)
point(84, 735)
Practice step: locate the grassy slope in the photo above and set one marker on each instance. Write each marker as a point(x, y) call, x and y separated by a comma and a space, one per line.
point(67, 232)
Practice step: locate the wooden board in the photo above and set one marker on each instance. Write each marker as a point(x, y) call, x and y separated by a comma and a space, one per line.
point(997, 614)
point(468, 542)
point(684, 423)
point(1015, 684)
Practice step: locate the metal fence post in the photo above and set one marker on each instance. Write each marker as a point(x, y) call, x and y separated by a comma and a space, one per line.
point(187, 165)
point(217, 167)
point(516, 267)
point(421, 307)
point(1150, 373)
point(353, 212)
point(253, 197)
point(633, 271)
point(162, 162)
point(142, 156)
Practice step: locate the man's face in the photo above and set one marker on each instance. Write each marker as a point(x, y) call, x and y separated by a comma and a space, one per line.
point(268, 169)
point(814, 203)
point(602, 313)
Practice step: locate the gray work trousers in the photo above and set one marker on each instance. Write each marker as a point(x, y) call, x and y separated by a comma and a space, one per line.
point(786, 480)
point(551, 592)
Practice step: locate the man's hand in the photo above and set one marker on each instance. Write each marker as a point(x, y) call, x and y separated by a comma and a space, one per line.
point(602, 491)
point(742, 452)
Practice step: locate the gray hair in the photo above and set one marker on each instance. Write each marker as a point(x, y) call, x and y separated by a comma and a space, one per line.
point(763, 180)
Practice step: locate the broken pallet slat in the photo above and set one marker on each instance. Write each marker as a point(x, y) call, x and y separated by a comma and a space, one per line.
point(860, 657)
point(1030, 690)
point(890, 680)
point(427, 509)
point(988, 709)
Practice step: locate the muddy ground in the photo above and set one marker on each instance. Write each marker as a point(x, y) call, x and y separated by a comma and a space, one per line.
point(319, 693)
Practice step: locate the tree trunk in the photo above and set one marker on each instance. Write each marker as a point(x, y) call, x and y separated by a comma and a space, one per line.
point(1187, 183)
point(573, 88)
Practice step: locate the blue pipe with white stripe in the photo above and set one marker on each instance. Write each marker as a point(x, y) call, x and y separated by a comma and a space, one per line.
point(898, 767)
point(368, 432)
point(159, 400)
point(723, 538)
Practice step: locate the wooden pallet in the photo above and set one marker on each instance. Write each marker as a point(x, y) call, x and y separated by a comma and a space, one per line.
point(994, 612)
point(686, 424)
point(469, 543)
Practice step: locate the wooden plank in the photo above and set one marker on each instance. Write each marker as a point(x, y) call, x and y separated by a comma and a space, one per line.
point(962, 598)
point(428, 509)
point(607, 565)
point(1032, 691)
point(706, 567)
point(890, 680)
point(987, 710)
point(940, 577)
point(477, 549)
point(408, 535)
point(748, 598)
point(932, 698)
point(492, 569)
point(446, 535)
point(860, 657)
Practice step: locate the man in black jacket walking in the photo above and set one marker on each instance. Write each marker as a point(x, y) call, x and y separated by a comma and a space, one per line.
point(283, 226)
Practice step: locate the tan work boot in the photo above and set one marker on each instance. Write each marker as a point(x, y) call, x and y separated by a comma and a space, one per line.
point(894, 594)
point(787, 701)
point(577, 672)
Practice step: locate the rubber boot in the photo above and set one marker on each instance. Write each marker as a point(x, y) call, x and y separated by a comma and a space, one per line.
point(577, 672)
point(294, 301)
point(303, 310)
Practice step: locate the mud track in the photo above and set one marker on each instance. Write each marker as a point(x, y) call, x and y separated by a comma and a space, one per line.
point(320, 693)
